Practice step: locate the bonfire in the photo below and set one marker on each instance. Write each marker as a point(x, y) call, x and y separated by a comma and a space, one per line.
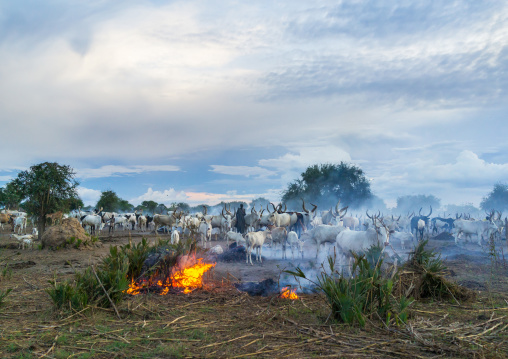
point(186, 276)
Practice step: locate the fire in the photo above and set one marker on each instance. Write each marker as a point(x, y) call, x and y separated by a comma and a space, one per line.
point(188, 278)
point(288, 293)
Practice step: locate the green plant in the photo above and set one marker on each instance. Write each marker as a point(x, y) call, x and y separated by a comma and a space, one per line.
point(7, 272)
point(366, 292)
point(3, 295)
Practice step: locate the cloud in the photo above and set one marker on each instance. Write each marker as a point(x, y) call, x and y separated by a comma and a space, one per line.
point(89, 196)
point(242, 171)
point(467, 179)
point(6, 178)
point(229, 196)
point(307, 156)
point(166, 197)
point(115, 171)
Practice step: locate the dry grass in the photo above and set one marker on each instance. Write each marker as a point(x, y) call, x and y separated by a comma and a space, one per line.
point(222, 322)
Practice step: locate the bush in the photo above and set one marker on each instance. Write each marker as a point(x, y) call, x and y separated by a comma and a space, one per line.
point(86, 289)
point(423, 276)
point(367, 293)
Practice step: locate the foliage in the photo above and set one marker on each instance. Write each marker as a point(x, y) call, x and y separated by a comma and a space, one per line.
point(86, 289)
point(3, 295)
point(413, 203)
point(110, 202)
point(46, 188)
point(136, 254)
point(323, 184)
point(115, 271)
point(496, 199)
point(367, 292)
point(9, 196)
point(148, 206)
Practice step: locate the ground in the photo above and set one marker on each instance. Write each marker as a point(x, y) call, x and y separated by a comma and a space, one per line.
point(220, 321)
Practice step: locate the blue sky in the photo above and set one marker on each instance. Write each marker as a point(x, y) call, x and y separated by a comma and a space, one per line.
point(203, 101)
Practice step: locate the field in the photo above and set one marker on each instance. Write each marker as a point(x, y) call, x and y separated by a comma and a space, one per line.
point(220, 321)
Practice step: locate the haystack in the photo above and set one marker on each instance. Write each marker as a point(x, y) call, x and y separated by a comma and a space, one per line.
point(58, 235)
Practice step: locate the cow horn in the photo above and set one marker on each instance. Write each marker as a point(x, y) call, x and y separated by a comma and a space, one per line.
point(430, 212)
point(367, 213)
point(420, 211)
point(268, 209)
point(333, 214)
point(315, 207)
point(398, 219)
point(337, 206)
point(274, 209)
point(285, 207)
point(343, 210)
point(303, 206)
point(204, 210)
point(222, 213)
point(262, 210)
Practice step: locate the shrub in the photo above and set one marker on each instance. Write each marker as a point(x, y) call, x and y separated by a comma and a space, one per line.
point(367, 292)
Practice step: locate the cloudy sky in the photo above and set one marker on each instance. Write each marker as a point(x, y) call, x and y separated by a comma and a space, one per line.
point(203, 101)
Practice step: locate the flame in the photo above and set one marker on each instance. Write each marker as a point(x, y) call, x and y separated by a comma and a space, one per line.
point(288, 293)
point(188, 278)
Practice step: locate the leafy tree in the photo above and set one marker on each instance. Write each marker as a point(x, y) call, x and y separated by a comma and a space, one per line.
point(324, 184)
point(497, 199)
point(74, 203)
point(150, 206)
point(413, 203)
point(108, 201)
point(183, 206)
point(9, 196)
point(46, 188)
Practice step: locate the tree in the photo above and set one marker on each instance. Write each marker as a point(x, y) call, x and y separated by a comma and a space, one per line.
point(150, 206)
point(108, 201)
point(414, 203)
point(497, 199)
point(324, 184)
point(9, 196)
point(46, 188)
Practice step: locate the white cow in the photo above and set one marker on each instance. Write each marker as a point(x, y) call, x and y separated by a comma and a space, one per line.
point(92, 223)
point(295, 244)
point(401, 237)
point(175, 237)
point(234, 237)
point(205, 232)
point(255, 240)
point(322, 234)
point(482, 229)
point(20, 223)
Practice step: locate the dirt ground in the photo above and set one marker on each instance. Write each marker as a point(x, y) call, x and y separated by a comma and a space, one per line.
point(221, 321)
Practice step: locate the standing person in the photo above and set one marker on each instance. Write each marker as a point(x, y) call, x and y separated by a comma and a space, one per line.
point(240, 220)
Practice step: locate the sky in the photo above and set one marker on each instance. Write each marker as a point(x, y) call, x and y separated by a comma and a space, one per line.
point(209, 101)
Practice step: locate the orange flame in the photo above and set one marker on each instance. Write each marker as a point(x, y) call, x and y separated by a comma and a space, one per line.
point(288, 293)
point(188, 278)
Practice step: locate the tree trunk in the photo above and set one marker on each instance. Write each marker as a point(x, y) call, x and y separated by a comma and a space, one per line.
point(41, 226)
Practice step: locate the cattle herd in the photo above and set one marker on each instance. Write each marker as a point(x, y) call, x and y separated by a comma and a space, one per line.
point(280, 227)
